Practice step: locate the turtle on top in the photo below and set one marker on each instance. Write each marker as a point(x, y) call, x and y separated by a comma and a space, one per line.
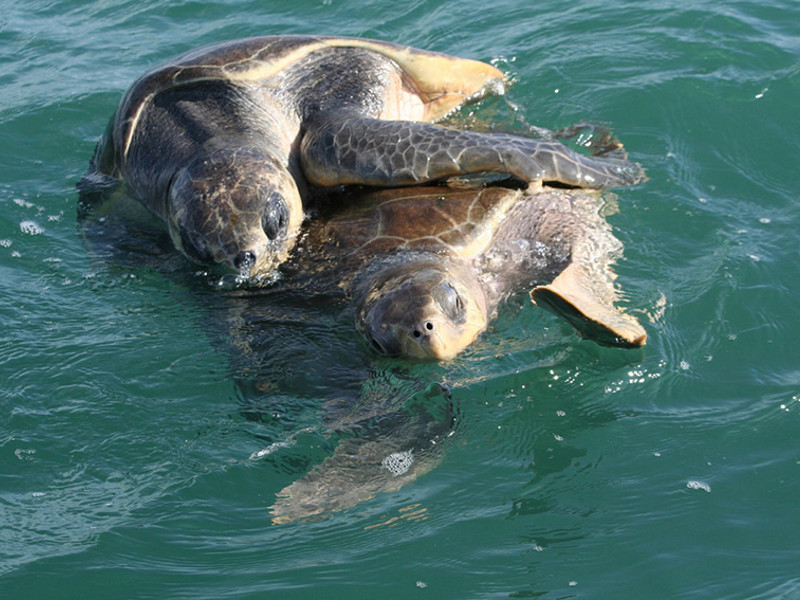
point(222, 143)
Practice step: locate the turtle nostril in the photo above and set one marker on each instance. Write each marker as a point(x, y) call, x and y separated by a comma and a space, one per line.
point(244, 260)
point(422, 330)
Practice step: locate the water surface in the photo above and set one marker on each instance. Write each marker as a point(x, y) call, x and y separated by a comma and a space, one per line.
point(132, 417)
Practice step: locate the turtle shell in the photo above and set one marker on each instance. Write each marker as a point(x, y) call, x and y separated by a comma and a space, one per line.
point(441, 81)
point(460, 223)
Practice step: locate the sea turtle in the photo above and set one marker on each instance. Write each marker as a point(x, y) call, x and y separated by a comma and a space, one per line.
point(426, 267)
point(221, 143)
point(424, 270)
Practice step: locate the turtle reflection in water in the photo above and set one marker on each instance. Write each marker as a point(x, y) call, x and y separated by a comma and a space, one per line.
point(222, 143)
point(424, 270)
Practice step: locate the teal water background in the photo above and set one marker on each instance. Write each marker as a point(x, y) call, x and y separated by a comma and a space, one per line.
point(573, 471)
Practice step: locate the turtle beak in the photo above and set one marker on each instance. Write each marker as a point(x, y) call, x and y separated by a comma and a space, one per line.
point(423, 342)
point(259, 261)
point(418, 313)
point(427, 342)
point(237, 208)
point(422, 333)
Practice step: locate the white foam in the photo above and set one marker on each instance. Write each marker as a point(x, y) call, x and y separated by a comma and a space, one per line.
point(31, 228)
point(698, 485)
point(22, 203)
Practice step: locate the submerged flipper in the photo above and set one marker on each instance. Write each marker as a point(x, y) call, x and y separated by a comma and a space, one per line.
point(357, 471)
point(392, 436)
point(356, 150)
point(572, 296)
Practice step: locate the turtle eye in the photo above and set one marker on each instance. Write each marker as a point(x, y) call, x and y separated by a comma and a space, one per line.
point(276, 216)
point(451, 302)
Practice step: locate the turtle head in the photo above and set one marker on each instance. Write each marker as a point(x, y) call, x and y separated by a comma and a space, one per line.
point(421, 309)
point(237, 208)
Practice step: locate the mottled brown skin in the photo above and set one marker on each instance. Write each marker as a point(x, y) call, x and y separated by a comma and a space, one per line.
point(223, 142)
point(427, 267)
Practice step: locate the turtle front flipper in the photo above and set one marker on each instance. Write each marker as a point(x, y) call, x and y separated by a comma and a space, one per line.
point(393, 434)
point(571, 296)
point(357, 471)
point(366, 151)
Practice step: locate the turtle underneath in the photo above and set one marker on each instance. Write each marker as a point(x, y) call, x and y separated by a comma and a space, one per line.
point(427, 267)
point(222, 143)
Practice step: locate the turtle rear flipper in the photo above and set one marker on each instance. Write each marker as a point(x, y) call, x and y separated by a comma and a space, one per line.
point(570, 298)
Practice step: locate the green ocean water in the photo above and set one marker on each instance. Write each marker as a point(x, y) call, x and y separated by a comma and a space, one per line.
point(149, 420)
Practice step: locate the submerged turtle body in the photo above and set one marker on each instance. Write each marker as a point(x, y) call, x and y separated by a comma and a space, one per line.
point(426, 267)
point(222, 142)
